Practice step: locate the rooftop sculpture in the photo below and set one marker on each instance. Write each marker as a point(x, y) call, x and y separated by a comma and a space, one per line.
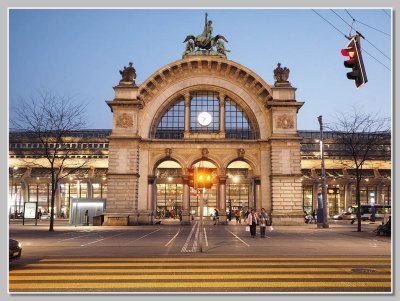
point(205, 43)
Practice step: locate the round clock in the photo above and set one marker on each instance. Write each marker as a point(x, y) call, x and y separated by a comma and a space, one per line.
point(204, 118)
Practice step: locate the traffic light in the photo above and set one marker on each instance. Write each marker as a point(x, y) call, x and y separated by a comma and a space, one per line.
point(203, 178)
point(355, 61)
point(191, 181)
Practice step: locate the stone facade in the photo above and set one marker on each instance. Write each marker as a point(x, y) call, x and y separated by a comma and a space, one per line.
point(134, 152)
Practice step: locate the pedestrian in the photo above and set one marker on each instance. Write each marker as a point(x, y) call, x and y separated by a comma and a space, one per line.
point(216, 217)
point(180, 215)
point(263, 222)
point(237, 215)
point(252, 220)
point(313, 216)
point(39, 214)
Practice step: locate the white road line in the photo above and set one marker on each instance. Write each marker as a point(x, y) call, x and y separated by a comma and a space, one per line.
point(238, 238)
point(77, 236)
point(188, 238)
point(147, 234)
point(196, 237)
point(173, 238)
point(205, 236)
point(92, 242)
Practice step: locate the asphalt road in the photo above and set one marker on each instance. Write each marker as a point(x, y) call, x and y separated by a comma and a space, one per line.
point(171, 239)
point(167, 258)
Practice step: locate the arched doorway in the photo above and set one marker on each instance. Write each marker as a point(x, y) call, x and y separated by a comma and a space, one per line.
point(239, 188)
point(169, 190)
point(209, 196)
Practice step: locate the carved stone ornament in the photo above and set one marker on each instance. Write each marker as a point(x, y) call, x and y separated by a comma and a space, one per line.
point(281, 74)
point(241, 152)
point(168, 152)
point(204, 152)
point(284, 122)
point(124, 121)
point(128, 74)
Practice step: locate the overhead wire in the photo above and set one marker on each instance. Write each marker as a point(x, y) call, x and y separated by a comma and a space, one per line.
point(330, 24)
point(376, 60)
point(386, 13)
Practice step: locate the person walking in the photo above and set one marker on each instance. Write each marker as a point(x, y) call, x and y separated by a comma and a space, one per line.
point(215, 216)
point(263, 222)
point(252, 222)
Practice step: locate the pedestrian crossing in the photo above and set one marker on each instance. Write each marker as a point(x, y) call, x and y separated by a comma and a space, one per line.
point(204, 274)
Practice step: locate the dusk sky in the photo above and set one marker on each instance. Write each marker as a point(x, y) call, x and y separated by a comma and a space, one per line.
point(79, 52)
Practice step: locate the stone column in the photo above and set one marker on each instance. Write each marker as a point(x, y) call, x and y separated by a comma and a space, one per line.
point(150, 194)
point(222, 114)
point(222, 199)
point(186, 202)
point(315, 195)
point(347, 195)
point(89, 189)
point(257, 195)
point(187, 114)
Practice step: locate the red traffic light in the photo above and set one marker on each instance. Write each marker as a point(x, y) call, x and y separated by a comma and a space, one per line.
point(355, 61)
point(349, 51)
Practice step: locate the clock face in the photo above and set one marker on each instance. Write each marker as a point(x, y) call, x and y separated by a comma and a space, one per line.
point(204, 118)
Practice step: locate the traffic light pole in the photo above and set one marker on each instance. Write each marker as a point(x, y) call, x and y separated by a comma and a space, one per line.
point(325, 223)
point(201, 221)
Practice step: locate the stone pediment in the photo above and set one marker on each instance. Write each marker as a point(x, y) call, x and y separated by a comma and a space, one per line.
point(205, 66)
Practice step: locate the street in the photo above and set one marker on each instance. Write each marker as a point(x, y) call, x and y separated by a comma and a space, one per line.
point(166, 258)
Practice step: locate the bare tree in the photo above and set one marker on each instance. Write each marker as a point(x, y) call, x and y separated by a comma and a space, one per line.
point(49, 120)
point(362, 137)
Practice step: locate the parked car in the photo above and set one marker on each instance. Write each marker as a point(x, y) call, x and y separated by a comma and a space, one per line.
point(14, 249)
point(344, 216)
point(46, 216)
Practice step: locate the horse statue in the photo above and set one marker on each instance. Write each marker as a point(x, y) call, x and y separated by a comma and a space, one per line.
point(205, 40)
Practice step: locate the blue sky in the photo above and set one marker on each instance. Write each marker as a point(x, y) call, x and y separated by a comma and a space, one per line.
point(79, 52)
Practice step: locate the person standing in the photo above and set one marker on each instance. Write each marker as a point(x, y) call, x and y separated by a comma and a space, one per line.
point(263, 222)
point(252, 222)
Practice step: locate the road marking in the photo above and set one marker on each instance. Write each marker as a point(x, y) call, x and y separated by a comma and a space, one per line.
point(147, 234)
point(205, 236)
point(265, 263)
point(173, 237)
point(213, 276)
point(202, 284)
point(239, 238)
point(184, 248)
point(79, 236)
point(92, 242)
point(193, 270)
point(367, 259)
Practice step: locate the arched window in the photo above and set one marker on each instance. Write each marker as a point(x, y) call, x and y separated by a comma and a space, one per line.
point(204, 117)
point(237, 124)
point(172, 124)
point(204, 105)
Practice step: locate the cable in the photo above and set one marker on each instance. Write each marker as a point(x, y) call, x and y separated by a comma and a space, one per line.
point(373, 28)
point(376, 59)
point(351, 26)
point(386, 13)
point(349, 15)
point(330, 24)
point(377, 49)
